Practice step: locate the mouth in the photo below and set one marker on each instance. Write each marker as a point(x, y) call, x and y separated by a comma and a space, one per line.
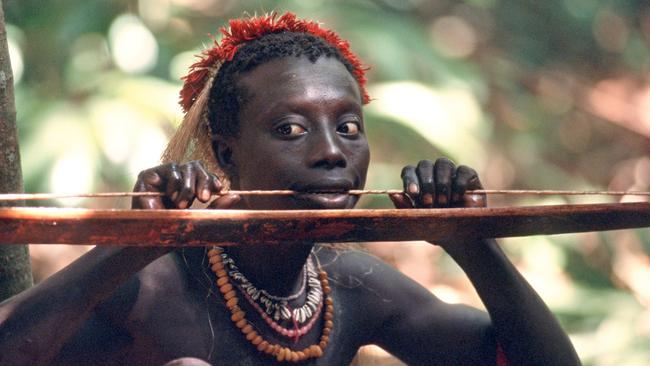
point(331, 194)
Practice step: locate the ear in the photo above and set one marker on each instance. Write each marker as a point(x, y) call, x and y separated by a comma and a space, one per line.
point(223, 152)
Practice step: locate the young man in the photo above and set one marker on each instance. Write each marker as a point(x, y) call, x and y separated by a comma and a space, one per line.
point(278, 105)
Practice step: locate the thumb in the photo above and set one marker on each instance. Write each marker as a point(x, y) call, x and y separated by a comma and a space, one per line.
point(401, 200)
point(225, 202)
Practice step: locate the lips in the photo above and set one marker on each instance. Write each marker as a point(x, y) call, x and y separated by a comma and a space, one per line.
point(324, 186)
point(325, 194)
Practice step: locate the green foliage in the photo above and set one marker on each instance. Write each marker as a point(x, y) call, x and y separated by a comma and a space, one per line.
point(506, 86)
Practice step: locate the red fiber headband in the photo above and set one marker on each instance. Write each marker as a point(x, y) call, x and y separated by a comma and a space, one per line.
point(244, 30)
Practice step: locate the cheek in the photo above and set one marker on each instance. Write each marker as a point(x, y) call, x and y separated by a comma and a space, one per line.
point(360, 158)
point(268, 167)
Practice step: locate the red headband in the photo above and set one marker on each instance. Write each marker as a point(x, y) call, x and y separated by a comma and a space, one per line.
point(244, 30)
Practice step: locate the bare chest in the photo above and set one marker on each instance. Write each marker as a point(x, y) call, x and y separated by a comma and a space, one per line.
point(197, 324)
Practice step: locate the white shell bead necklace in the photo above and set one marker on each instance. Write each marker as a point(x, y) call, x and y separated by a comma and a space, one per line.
point(278, 306)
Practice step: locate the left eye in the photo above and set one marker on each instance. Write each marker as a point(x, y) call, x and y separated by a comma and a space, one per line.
point(348, 128)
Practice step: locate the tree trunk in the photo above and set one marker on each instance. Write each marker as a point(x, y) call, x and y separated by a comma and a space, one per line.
point(15, 268)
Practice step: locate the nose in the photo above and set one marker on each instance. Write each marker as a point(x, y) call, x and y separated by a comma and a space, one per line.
point(326, 151)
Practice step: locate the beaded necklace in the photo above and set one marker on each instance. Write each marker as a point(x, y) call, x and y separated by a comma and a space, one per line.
point(238, 316)
point(294, 333)
point(276, 306)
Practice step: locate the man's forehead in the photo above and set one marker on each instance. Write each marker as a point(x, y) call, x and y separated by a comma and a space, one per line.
point(298, 75)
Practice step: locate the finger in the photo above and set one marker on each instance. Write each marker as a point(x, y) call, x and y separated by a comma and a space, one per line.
point(225, 201)
point(444, 174)
point(216, 184)
point(148, 181)
point(401, 200)
point(188, 184)
point(150, 178)
point(173, 181)
point(203, 184)
point(467, 179)
point(145, 202)
point(427, 183)
point(475, 200)
point(410, 181)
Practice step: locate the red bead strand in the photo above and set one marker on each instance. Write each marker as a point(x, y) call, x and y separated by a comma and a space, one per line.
point(238, 316)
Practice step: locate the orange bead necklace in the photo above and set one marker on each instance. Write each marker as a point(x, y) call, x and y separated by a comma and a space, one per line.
point(238, 316)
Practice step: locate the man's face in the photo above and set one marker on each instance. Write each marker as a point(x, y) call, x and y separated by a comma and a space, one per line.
point(301, 128)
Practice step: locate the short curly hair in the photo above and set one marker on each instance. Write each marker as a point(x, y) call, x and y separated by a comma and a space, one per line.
point(227, 97)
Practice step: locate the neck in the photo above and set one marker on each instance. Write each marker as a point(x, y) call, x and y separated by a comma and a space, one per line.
point(274, 268)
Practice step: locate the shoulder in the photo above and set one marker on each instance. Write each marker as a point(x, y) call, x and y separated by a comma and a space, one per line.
point(106, 337)
point(398, 308)
point(338, 261)
point(352, 268)
point(161, 277)
point(166, 285)
point(356, 268)
point(379, 289)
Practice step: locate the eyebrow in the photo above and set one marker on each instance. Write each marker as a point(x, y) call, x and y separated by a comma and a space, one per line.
point(301, 106)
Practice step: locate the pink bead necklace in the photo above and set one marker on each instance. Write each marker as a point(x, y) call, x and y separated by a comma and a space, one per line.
point(294, 333)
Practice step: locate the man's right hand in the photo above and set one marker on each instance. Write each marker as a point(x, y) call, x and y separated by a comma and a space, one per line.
point(181, 184)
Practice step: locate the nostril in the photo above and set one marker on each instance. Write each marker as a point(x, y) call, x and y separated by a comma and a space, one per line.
point(330, 163)
point(326, 151)
point(330, 158)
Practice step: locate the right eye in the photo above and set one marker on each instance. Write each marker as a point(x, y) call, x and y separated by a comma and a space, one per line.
point(290, 130)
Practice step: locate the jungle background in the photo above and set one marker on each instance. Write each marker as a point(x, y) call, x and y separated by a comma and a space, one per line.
point(548, 94)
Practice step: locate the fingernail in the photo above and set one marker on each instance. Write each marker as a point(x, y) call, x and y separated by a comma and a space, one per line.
point(413, 188)
point(182, 204)
point(174, 196)
point(442, 200)
point(205, 194)
point(427, 199)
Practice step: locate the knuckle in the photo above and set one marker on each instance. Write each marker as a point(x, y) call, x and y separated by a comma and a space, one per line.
point(203, 175)
point(444, 176)
point(145, 174)
point(444, 160)
point(185, 172)
point(139, 187)
point(425, 172)
point(197, 164)
point(466, 170)
point(174, 174)
point(186, 167)
point(216, 180)
point(427, 180)
point(444, 170)
point(407, 170)
point(425, 164)
point(442, 184)
point(186, 188)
